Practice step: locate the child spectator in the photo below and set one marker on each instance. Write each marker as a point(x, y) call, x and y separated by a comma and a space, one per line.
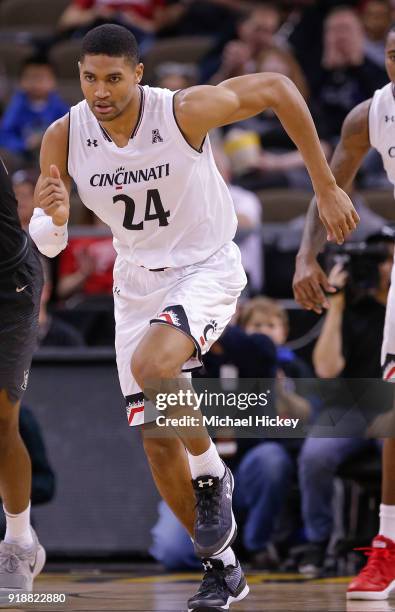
point(34, 106)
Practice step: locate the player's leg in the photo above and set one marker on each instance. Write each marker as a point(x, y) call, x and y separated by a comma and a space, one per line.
point(15, 465)
point(170, 470)
point(205, 299)
point(377, 578)
point(21, 556)
point(156, 366)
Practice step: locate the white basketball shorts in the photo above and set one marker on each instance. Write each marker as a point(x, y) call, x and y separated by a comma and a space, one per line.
point(199, 300)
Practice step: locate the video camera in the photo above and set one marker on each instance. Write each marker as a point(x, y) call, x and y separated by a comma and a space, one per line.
point(361, 260)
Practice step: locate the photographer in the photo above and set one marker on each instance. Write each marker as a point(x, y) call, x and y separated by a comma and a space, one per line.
point(348, 347)
point(350, 341)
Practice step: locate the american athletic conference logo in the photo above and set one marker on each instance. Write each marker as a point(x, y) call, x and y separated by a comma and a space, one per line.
point(156, 137)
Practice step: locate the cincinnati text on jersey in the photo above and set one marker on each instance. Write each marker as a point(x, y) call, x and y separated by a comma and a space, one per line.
point(126, 177)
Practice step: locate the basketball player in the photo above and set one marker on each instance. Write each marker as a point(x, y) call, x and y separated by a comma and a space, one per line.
point(370, 124)
point(141, 159)
point(20, 289)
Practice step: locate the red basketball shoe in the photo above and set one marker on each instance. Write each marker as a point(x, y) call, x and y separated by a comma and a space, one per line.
point(377, 579)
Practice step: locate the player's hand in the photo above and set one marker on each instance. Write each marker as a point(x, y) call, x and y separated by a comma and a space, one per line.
point(309, 284)
point(53, 197)
point(337, 213)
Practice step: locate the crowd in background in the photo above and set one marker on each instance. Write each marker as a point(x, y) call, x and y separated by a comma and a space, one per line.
point(334, 52)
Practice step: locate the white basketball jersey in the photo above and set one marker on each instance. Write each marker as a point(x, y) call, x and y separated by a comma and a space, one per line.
point(382, 127)
point(166, 203)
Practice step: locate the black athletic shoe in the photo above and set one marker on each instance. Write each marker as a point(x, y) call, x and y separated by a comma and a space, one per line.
point(215, 525)
point(220, 587)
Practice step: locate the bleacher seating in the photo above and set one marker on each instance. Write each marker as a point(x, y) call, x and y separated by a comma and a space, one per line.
point(182, 49)
point(37, 17)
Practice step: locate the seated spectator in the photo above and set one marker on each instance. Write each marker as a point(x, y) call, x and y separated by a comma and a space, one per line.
point(376, 20)
point(263, 470)
point(268, 157)
point(346, 76)
point(249, 231)
point(348, 347)
point(34, 106)
point(142, 17)
point(255, 33)
point(86, 265)
point(173, 76)
point(53, 331)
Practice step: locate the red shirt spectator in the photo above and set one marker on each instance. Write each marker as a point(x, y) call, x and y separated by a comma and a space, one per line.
point(144, 8)
point(86, 267)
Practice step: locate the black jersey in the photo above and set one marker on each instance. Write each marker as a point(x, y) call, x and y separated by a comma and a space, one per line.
point(13, 240)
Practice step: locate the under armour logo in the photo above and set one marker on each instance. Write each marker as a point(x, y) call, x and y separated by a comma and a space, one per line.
point(207, 565)
point(156, 137)
point(90, 142)
point(389, 118)
point(116, 290)
point(208, 482)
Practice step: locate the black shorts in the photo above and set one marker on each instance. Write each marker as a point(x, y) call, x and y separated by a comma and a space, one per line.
point(20, 292)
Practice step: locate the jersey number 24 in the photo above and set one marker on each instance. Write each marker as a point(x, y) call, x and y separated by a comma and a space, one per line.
point(153, 210)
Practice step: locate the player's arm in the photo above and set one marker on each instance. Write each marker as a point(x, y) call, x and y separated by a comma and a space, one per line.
point(202, 108)
point(310, 281)
point(48, 226)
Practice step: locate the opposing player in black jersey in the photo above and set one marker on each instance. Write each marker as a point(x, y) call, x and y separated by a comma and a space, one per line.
point(21, 555)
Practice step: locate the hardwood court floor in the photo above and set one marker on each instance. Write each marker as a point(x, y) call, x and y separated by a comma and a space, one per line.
point(99, 591)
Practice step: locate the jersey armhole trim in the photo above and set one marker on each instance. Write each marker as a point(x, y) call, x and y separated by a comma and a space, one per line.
point(200, 150)
point(68, 144)
point(369, 134)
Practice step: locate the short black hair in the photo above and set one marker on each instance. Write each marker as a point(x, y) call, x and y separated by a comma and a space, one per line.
point(110, 39)
point(37, 59)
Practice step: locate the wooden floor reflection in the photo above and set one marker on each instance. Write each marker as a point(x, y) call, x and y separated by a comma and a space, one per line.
point(111, 592)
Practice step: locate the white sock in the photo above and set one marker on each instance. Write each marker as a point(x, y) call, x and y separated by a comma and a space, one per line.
point(227, 557)
point(387, 521)
point(206, 464)
point(18, 528)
